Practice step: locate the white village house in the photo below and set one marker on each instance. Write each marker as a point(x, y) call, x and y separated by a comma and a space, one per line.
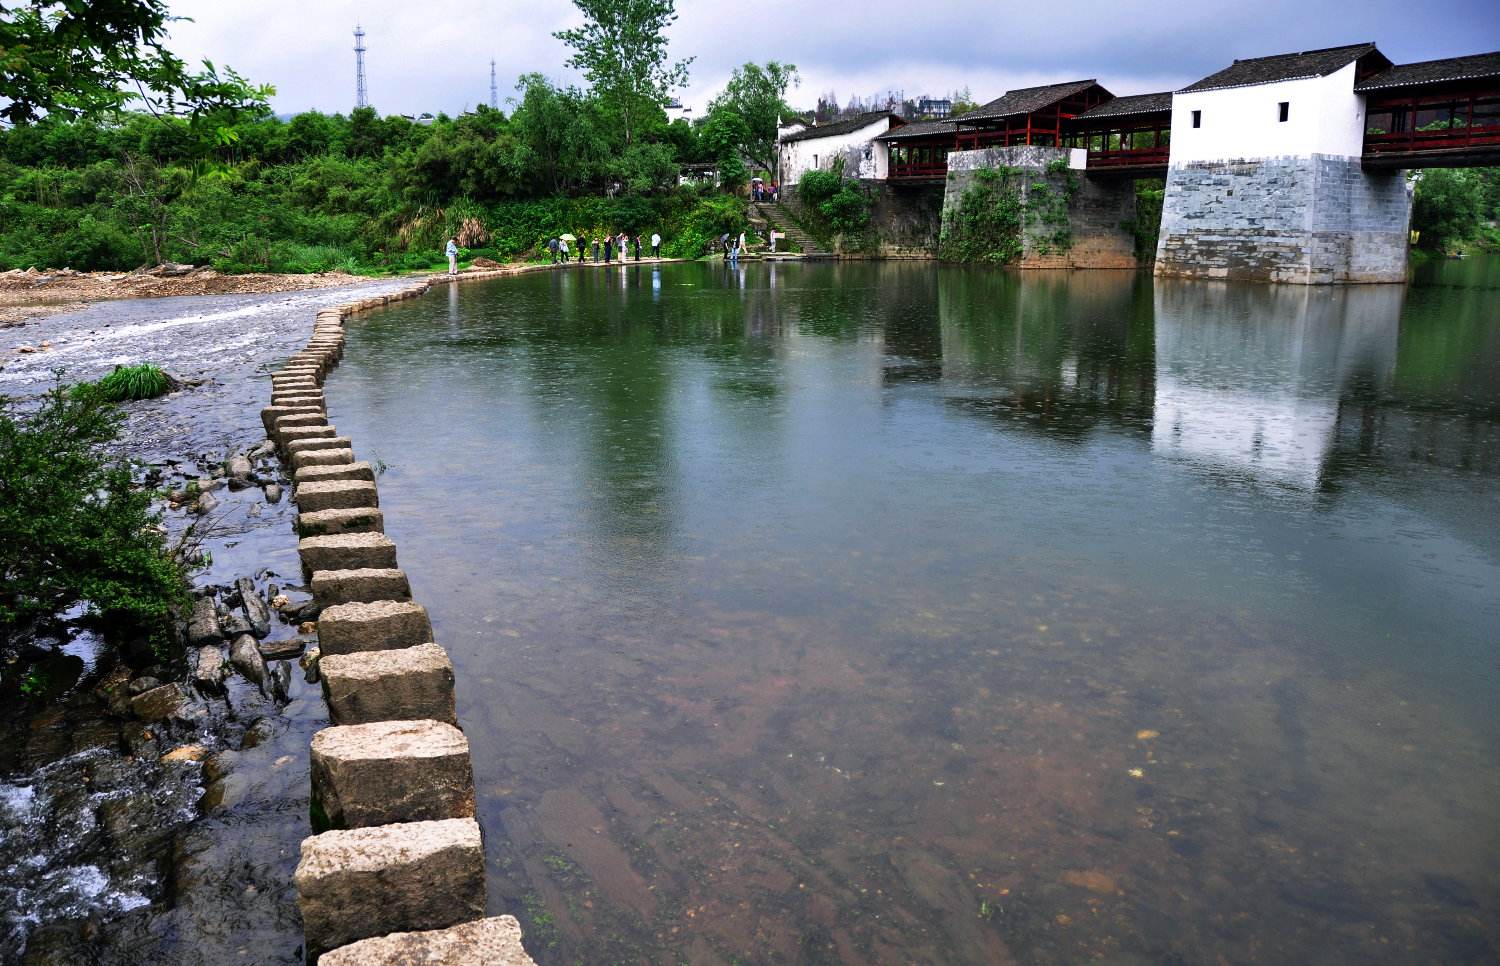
point(805, 149)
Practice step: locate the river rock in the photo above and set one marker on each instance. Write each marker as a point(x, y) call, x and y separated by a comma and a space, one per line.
point(412, 876)
point(206, 503)
point(142, 684)
point(158, 703)
point(282, 650)
point(238, 467)
point(234, 624)
point(203, 625)
point(280, 679)
point(273, 493)
point(245, 655)
point(209, 670)
point(492, 942)
point(256, 611)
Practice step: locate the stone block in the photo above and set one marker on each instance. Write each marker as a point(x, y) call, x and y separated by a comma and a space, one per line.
point(363, 585)
point(359, 520)
point(327, 442)
point(336, 495)
point(358, 883)
point(349, 471)
point(485, 942)
point(383, 772)
point(346, 551)
point(270, 414)
point(321, 457)
point(409, 683)
point(292, 434)
point(378, 626)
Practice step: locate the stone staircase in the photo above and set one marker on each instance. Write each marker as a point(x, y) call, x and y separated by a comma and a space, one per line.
point(776, 215)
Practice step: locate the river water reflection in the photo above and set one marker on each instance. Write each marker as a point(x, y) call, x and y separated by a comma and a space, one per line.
point(888, 613)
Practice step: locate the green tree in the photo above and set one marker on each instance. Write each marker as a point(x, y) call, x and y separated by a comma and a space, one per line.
point(758, 95)
point(72, 528)
point(81, 58)
point(1447, 208)
point(622, 50)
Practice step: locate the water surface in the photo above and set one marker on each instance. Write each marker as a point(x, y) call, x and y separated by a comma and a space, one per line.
point(888, 613)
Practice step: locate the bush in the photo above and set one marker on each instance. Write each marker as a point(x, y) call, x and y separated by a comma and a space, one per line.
point(817, 187)
point(72, 528)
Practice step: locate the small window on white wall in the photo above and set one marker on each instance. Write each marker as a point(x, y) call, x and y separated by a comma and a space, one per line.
point(1283, 111)
point(815, 160)
point(1197, 119)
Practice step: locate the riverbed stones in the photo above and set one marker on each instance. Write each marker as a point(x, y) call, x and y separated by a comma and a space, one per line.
point(322, 474)
point(254, 606)
point(375, 626)
point(238, 467)
point(384, 772)
point(209, 669)
point(247, 659)
point(346, 551)
point(336, 495)
point(203, 625)
point(411, 683)
point(495, 941)
point(273, 492)
point(363, 585)
point(357, 883)
point(322, 457)
point(359, 520)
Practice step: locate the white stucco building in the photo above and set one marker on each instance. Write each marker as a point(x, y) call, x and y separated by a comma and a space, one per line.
point(821, 146)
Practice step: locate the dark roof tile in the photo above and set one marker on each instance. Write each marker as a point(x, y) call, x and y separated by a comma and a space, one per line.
point(1026, 100)
point(1470, 67)
point(841, 127)
point(919, 129)
point(1131, 104)
point(1284, 67)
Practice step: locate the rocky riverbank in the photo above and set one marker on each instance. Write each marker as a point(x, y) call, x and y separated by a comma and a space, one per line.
point(36, 292)
point(150, 810)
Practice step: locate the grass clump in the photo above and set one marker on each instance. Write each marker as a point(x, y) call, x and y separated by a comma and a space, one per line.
point(127, 384)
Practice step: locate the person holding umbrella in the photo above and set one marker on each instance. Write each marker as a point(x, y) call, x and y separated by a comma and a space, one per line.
point(566, 239)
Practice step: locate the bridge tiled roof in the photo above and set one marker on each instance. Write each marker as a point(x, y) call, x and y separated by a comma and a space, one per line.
point(1285, 67)
point(847, 126)
point(1026, 100)
point(1448, 69)
point(919, 129)
point(1131, 104)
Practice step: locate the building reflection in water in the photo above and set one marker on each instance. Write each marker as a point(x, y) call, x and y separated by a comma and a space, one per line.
point(1250, 378)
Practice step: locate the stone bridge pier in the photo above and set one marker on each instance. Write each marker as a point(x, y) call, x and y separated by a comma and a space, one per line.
point(1312, 220)
point(1068, 219)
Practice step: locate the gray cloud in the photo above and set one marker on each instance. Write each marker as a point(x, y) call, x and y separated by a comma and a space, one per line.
point(434, 55)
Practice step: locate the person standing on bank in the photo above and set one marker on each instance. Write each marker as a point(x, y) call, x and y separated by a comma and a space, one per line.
point(637, 242)
point(609, 248)
point(562, 245)
point(655, 244)
point(596, 251)
point(452, 252)
point(583, 243)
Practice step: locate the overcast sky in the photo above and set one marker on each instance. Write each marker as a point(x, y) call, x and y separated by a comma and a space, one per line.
point(434, 55)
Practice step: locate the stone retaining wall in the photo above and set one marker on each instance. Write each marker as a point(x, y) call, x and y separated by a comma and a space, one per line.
point(395, 871)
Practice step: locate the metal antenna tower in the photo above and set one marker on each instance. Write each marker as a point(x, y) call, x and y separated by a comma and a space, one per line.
point(494, 91)
point(361, 96)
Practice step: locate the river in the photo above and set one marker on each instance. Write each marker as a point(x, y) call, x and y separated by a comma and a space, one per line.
point(888, 612)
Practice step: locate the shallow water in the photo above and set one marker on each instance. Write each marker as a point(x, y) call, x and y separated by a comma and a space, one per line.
point(887, 613)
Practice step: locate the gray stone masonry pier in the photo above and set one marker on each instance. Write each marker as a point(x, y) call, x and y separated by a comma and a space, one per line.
point(1317, 220)
point(1097, 231)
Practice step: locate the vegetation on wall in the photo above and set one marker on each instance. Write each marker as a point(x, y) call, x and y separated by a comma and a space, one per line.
point(1146, 227)
point(834, 210)
point(987, 223)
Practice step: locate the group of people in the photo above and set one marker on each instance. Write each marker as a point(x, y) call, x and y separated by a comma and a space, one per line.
point(733, 246)
point(760, 191)
point(610, 246)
